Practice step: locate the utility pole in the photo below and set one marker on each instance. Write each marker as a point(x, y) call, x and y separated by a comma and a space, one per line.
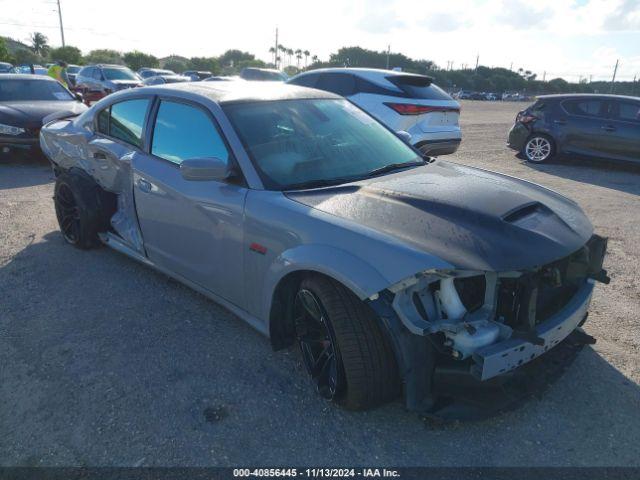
point(477, 60)
point(511, 67)
point(388, 53)
point(275, 51)
point(613, 80)
point(544, 76)
point(61, 27)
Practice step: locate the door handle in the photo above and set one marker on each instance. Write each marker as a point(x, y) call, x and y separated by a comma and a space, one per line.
point(560, 122)
point(144, 186)
point(608, 128)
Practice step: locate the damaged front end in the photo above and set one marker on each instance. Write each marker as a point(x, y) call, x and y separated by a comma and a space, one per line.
point(460, 331)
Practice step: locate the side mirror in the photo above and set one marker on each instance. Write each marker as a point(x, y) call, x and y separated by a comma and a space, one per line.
point(78, 96)
point(404, 136)
point(203, 169)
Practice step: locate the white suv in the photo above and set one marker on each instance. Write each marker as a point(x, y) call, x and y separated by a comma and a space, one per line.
point(402, 101)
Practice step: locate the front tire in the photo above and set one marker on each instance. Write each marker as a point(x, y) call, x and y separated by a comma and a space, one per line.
point(344, 348)
point(539, 149)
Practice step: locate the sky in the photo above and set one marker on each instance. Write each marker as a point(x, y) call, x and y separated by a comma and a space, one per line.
point(572, 39)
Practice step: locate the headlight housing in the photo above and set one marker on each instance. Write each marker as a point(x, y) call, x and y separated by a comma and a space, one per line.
point(10, 130)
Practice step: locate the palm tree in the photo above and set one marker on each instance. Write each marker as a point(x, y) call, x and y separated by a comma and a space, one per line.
point(298, 57)
point(283, 50)
point(306, 54)
point(289, 54)
point(314, 59)
point(273, 50)
point(39, 43)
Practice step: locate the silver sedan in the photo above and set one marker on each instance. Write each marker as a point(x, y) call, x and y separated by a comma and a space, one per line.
point(395, 274)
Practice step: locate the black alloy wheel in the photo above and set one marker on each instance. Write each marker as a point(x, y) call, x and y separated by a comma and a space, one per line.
point(318, 345)
point(68, 214)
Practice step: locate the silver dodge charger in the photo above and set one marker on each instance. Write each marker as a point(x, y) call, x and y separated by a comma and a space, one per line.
point(395, 274)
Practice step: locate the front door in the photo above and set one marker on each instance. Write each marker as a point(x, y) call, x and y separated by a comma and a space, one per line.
point(625, 130)
point(584, 128)
point(190, 228)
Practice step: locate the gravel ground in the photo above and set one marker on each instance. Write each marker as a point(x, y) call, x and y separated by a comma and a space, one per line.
point(105, 362)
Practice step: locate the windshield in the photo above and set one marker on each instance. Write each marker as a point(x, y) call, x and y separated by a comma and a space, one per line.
point(73, 69)
point(25, 90)
point(295, 142)
point(119, 74)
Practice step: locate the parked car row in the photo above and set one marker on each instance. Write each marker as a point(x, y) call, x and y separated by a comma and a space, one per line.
point(490, 96)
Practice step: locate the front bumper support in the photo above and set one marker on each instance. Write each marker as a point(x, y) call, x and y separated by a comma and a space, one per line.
point(496, 359)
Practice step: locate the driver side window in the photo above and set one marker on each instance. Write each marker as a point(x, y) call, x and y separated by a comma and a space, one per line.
point(182, 131)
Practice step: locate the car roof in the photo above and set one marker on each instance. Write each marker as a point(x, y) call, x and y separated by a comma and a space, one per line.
point(227, 92)
point(27, 76)
point(563, 96)
point(109, 65)
point(364, 71)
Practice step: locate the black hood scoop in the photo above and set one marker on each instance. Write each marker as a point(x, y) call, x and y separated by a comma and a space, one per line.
point(469, 217)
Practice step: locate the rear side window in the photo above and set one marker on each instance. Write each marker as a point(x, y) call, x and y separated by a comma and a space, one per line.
point(629, 112)
point(306, 80)
point(585, 108)
point(339, 83)
point(127, 121)
point(417, 86)
point(183, 131)
point(97, 74)
point(103, 121)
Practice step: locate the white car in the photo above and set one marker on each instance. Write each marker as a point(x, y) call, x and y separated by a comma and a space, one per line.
point(402, 101)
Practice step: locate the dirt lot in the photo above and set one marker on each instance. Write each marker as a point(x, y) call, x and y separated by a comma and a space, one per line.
point(104, 362)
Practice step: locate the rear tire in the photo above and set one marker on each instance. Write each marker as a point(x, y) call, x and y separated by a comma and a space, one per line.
point(539, 148)
point(81, 209)
point(364, 364)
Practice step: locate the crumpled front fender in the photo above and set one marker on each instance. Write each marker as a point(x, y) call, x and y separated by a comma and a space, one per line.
point(359, 276)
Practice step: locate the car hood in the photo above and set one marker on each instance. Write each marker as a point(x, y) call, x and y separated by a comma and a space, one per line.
point(471, 218)
point(30, 114)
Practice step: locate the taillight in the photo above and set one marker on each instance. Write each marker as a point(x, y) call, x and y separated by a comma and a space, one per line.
point(411, 109)
point(525, 117)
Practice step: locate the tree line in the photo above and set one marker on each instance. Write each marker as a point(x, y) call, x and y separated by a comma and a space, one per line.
point(39, 52)
point(482, 79)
